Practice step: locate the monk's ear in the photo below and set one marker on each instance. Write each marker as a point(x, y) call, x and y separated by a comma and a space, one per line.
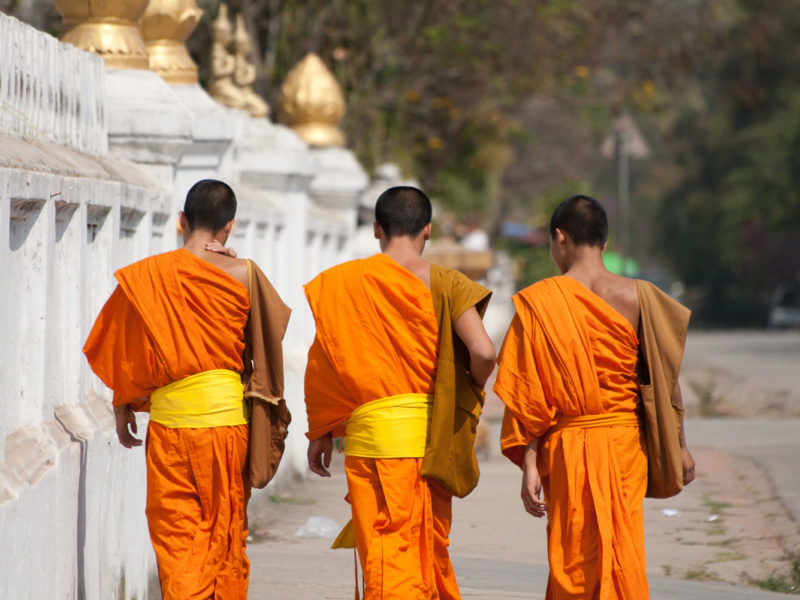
point(229, 227)
point(426, 231)
point(183, 222)
point(377, 231)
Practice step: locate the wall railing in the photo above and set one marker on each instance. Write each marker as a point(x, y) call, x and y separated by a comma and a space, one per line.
point(50, 90)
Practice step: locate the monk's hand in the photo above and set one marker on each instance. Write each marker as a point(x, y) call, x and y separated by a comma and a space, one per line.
point(126, 422)
point(319, 455)
point(688, 465)
point(532, 483)
point(215, 246)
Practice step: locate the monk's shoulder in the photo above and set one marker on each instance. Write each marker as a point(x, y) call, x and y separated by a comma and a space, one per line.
point(235, 267)
point(238, 270)
point(622, 293)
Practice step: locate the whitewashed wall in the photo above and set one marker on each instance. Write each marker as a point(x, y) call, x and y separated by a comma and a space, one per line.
point(84, 190)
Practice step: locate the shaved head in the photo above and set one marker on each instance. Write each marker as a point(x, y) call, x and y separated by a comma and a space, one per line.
point(210, 205)
point(403, 210)
point(583, 219)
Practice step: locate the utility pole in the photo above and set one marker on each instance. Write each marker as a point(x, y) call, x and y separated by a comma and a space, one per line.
point(623, 195)
point(622, 143)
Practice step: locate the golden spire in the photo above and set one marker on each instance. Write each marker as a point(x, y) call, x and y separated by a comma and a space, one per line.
point(244, 73)
point(165, 26)
point(312, 104)
point(106, 28)
point(223, 63)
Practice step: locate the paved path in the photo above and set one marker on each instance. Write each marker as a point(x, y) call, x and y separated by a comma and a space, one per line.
point(735, 523)
point(773, 445)
point(499, 552)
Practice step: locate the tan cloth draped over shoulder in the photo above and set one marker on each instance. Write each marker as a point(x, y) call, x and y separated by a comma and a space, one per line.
point(450, 455)
point(263, 377)
point(568, 352)
point(663, 324)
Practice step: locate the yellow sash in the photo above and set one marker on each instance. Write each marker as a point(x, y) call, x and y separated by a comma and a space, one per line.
point(209, 399)
point(620, 419)
point(391, 427)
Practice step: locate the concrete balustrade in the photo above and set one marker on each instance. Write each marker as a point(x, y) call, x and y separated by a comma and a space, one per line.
point(50, 90)
point(73, 209)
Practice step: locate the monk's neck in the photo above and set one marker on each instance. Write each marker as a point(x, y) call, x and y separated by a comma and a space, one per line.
point(406, 252)
point(586, 264)
point(403, 249)
point(196, 242)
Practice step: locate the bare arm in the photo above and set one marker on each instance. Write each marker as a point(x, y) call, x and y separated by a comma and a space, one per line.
point(688, 460)
point(469, 328)
point(532, 482)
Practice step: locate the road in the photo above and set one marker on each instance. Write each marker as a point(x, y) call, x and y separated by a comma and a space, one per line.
point(498, 551)
point(733, 525)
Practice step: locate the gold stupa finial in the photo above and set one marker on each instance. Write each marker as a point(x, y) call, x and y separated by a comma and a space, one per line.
point(244, 73)
point(165, 26)
point(106, 28)
point(311, 102)
point(223, 63)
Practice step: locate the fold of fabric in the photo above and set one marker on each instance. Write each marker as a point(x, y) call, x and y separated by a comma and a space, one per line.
point(377, 337)
point(197, 493)
point(171, 316)
point(569, 355)
point(174, 328)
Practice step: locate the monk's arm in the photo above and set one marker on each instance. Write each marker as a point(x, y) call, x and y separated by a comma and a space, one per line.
point(319, 455)
point(688, 460)
point(469, 328)
point(532, 482)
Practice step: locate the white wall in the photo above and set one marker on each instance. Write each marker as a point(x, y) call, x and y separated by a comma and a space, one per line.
point(88, 184)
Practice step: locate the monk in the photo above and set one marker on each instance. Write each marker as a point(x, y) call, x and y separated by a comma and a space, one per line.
point(567, 375)
point(377, 375)
point(170, 340)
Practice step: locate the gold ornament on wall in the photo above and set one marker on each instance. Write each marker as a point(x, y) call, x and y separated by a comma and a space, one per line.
point(165, 26)
point(311, 103)
point(223, 63)
point(106, 28)
point(244, 73)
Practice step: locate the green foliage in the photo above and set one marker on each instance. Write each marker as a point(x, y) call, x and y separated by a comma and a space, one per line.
point(732, 222)
point(787, 585)
point(499, 108)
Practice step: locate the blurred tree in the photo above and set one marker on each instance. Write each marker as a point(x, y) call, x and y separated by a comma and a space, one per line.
point(444, 87)
point(732, 222)
point(499, 106)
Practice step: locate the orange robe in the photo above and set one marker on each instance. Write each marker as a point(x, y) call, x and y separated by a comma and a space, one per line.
point(376, 337)
point(171, 316)
point(568, 352)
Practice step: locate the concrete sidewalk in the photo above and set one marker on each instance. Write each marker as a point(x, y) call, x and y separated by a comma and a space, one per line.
point(721, 531)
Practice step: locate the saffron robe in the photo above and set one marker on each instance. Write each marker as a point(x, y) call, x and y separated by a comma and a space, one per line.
point(568, 352)
point(377, 337)
point(171, 316)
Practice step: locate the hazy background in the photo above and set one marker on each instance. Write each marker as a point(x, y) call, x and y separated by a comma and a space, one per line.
point(499, 109)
